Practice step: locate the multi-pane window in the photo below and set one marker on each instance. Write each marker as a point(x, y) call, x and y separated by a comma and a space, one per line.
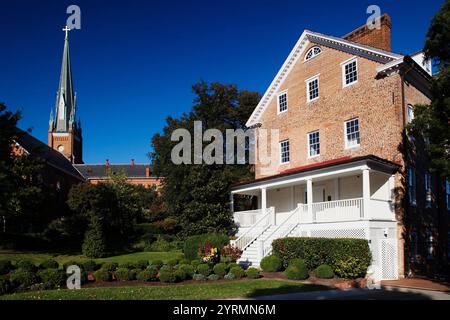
point(447, 192)
point(282, 102)
point(313, 144)
point(428, 189)
point(284, 151)
point(350, 72)
point(412, 186)
point(352, 137)
point(312, 87)
point(410, 113)
point(312, 53)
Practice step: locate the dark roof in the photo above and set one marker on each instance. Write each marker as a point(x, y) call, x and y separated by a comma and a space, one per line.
point(100, 171)
point(37, 148)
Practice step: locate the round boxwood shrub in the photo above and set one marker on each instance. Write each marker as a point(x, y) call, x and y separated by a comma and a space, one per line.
point(52, 278)
point(90, 265)
point(195, 263)
point(271, 264)
point(5, 286)
point(237, 271)
point(188, 269)
point(133, 273)
point(49, 264)
point(231, 265)
point(110, 266)
point(141, 264)
point(23, 278)
point(5, 267)
point(351, 268)
point(123, 274)
point(204, 269)
point(297, 270)
point(230, 276)
point(102, 275)
point(180, 274)
point(172, 262)
point(167, 276)
point(128, 265)
point(213, 277)
point(324, 271)
point(198, 277)
point(220, 269)
point(147, 275)
point(26, 265)
point(252, 273)
point(184, 261)
point(157, 263)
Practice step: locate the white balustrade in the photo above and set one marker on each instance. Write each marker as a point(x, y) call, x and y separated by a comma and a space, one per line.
point(258, 228)
point(247, 218)
point(339, 210)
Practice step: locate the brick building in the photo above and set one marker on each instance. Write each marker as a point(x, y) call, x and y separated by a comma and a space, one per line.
point(343, 163)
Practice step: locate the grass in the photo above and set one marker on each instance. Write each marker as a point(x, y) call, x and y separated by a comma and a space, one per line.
point(38, 257)
point(201, 291)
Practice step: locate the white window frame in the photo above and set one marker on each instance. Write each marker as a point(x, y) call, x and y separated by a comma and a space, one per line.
point(288, 151)
point(347, 146)
point(308, 81)
point(410, 113)
point(309, 144)
point(345, 63)
point(313, 53)
point(285, 92)
point(412, 187)
point(428, 190)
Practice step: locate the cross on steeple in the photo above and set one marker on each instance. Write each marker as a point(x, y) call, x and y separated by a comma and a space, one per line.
point(66, 30)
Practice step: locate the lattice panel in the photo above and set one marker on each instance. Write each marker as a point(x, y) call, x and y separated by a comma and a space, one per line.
point(388, 255)
point(339, 233)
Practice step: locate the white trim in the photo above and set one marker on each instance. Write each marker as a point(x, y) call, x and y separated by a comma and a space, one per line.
point(285, 92)
point(60, 134)
point(343, 65)
point(281, 152)
point(309, 150)
point(347, 147)
point(308, 81)
point(314, 55)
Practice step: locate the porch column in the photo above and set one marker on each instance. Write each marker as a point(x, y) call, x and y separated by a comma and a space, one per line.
point(309, 199)
point(366, 193)
point(232, 202)
point(263, 200)
point(336, 189)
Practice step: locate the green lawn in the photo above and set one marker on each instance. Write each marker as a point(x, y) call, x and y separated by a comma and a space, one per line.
point(37, 257)
point(201, 291)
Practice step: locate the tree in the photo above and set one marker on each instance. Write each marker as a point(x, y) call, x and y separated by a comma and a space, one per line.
point(433, 121)
point(197, 195)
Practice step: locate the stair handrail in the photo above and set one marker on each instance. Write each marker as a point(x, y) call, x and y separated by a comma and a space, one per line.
point(288, 230)
point(241, 243)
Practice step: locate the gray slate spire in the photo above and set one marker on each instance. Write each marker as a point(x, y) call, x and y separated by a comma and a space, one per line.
point(65, 100)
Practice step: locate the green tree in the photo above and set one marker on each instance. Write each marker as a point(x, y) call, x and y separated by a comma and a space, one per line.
point(432, 121)
point(197, 195)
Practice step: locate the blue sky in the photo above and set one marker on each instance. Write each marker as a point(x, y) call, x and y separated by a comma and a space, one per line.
point(134, 61)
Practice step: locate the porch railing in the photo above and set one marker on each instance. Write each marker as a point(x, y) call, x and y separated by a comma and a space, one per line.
point(258, 228)
point(247, 218)
point(339, 210)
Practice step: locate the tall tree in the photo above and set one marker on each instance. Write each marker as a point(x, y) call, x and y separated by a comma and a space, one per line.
point(433, 121)
point(197, 195)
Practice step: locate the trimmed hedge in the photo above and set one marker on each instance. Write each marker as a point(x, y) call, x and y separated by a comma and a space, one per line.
point(49, 264)
point(52, 278)
point(252, 273)
point(23, 278)
point(188, 269)
point(123, 274)
point(324, 271)
point(271, 264)
point(340, 254)
point(167, 276)
point(149, 274)
point(204, 269)
point(237, 271)
point(102, 275)
point(192, 244)
point(220, 269)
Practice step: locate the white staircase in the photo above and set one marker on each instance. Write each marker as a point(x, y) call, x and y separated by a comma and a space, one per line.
point(251, 254)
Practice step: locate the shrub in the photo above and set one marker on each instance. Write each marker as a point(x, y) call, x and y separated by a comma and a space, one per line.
point(147, 275)
point(208, 253)
point(127, 265)
point(159, 245)
point(5, 267)
point(271, 264)
point(231, 252)
point(110, 266)
point(5, 286)
point(198, 277)
point(72, 263)
point(225, 260)
point(231, 265)
point(297, 270)
point(204, 269)
point(324, 271)
point(317, 251)
point(230, 276)
point(90, 265)
point(184, 261)
point(351, 267)
point(213, 277)
point(94, 243)
point(26, 265)
point(102, 275)
point(172, 262)
point(23, 278)
point(166, 268)
point(123, 274)
point(188, 269)
point(133, 273)
point(180, 274)
point(195, 263)
point(193, 243)
point(157, 263)
point(141, 264)
point(52, 278)
point(220, 269)
point(49, 264)
point(252, 273)
point(167, 276)
point(237, 271)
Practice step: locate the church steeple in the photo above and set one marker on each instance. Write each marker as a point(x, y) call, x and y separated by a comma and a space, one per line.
point(64, 130)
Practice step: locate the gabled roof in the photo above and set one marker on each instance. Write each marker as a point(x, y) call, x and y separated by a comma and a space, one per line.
point(36, 148)
point(103, 171)
point(307, 37)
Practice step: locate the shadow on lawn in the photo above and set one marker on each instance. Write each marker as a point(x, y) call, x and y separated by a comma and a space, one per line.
point(285, 289)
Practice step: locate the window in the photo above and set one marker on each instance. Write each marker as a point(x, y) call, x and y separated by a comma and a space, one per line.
point(350, 72)
point(314, 51)
point(412, 186)
point(282, 102)
point(284, 151)
point(313, 144)
point(352, 138)
point(447, 192)
point(312, 89)
point(428, 190)
point(410, 113)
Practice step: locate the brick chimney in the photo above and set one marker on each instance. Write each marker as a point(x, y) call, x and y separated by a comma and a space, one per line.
point(132, 163)
point(147, 171)
point(377, 38)
point(107, 163)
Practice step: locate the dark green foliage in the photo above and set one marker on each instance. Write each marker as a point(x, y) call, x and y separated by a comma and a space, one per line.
point(237, 271)
point(167, 276)
point(123, 274)
point(157, 263)
point(252, 273)
point(195, 263)
point(172, 262)
point(90, 265)
point(204, 269)
point(110, 266)
point(73, 263)
point(142, 264)
point(5, 267)
point(52, 278)
point(180, 274)
point(220, 269)
point(166, 267)
point(271, 264)
point(184, 261)
point(102, 275)
point(26, 265)
point(5, 286)
point(94, 243)
point(23, 278)
point(193, 243)
point(133, 273)
point(49, 264)
point(350, 268)
point(130, 266)
point(317, 251)
point(231, 265)
point(188, 269)
point(160, 245)
point(324, 271)
point(297, 270)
